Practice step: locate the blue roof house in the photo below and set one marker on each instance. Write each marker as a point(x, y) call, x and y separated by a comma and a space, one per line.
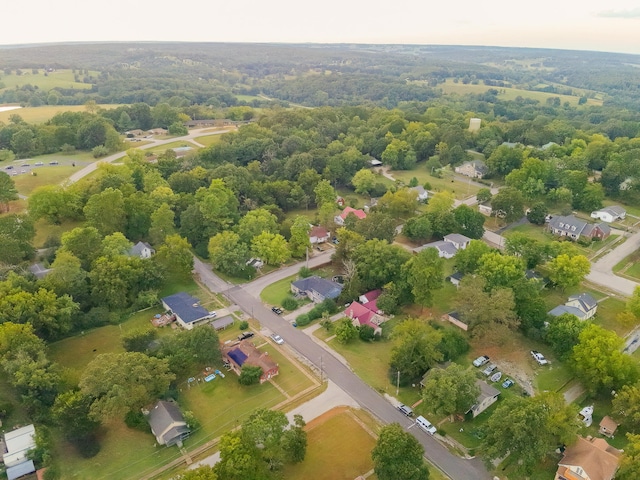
point(316, 288)
point(187, 309)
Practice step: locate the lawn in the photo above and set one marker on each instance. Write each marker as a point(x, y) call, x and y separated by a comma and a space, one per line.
point(168, 146)
point(208, 140)
point(553, 378)
point(45, 113)
point(607, 314)
point(291, 379)
point(535, 232)
point(58, 79)
point(276, 292)
point(448, 183)
point(47, 175)
point(329, 437)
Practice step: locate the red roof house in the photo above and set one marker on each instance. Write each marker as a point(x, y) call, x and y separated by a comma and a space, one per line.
point(370, 296)
point(318, 235)
point(339, 219)
point(361, 315)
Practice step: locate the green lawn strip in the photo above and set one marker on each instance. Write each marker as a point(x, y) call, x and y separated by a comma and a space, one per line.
point(47, 175)
point(208, 140)
point(553, 377)
point(327, 457)
point(448, 183)
point(46, 112)
point(46, 81)
point(633, 271)
point(276, 292)
point(168, 146)
point(607, 314)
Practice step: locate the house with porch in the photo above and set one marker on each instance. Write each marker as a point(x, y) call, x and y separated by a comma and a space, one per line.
point(316, 288)
point(167, 424)
point(574, 228)
point(318, 235)
point(588, 459)
point(186, 309)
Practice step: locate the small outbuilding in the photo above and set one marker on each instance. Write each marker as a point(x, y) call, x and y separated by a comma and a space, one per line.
point(222, 323)
point(608, 426)
point(18, 443)
point(20, 470)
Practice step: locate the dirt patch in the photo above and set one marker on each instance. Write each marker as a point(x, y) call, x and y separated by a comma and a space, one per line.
point(512, 359)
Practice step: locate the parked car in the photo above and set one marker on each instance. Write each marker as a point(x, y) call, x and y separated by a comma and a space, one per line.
point(508, 383)
point(490, 368)
point(426, 425)
point(406, 410)
point(538, 357)
point(276, 310)
point(478, 362)
point(38, 164)
point(212, 314)
point(245, 335)
point(9, 167)
point(25, 165)
point(277, 338)
point(53, 163)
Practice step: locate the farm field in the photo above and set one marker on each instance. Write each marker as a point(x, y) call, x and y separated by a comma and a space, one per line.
point(44, 113)
point(509, 93)
point(58, 78)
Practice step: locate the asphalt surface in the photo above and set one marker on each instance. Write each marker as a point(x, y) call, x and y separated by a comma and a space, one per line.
point(455, 467)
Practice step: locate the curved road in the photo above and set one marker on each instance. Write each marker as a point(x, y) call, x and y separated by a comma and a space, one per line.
point(245, 295)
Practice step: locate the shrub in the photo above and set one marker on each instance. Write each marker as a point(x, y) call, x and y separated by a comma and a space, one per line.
point(303, 320)
point(366, 333)
point(243, 325)
point(99, 151)
point(305, 272)
point(136, 420)
point(289, 303)
point(584, 241)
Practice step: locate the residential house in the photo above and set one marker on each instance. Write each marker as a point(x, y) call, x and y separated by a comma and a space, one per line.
point(361, 315)
point(142, 250)
point(583, 306)
point(588, 459)
point(610, 214)
point(488, 396)
point(459, 241)
point(18, 443)
point(245, 353)
point(608, 426)
point(318, 235)
point(339, 219)
point(574, 228)
point(167, 424)
point(455, 278)
point(255, 263)
point(423, 195)
point(474, 124)
point(371, 296)
point(374, 162)
point(536, 277)
point(472, 169)
point(445, 249)
point(39, 270)
point(186, 309)
point(316, 288)
point(455, 319)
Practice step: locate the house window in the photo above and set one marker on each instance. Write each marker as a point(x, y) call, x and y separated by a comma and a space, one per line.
point(561, 224)
point(573, 228)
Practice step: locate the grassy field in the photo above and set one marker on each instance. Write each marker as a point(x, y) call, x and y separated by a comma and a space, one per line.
point(276, 292)
point(553, 378)
point(329, 437)
point(448, 183)
point(507, 93)
point(208, 140)
point(44, 113)
point(176, 144)
point(59, 78)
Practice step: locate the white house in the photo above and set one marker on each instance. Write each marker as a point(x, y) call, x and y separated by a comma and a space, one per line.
point(423, 195)
point(445, 249)
point(610, 214)
point(583, 306)
point(457, 240)
point(142, 250)
point(318, 235)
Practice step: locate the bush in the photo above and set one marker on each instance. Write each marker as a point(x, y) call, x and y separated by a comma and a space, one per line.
point(303, 320)
point(305, 272)
point(243, 325)
point(135, 419)
point(452, 345)
point(366, 333)
point(584, 241)
point(6, 408)
point(289, 303)
point(100, 151)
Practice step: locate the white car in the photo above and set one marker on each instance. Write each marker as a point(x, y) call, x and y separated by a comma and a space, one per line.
point(478, 362)
point(277, 338)
point(538, 357)
point(426, 425)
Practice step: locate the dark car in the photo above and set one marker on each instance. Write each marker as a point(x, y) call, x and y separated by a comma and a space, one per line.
point(9, 167)
point(245, 335)
point(276, 310)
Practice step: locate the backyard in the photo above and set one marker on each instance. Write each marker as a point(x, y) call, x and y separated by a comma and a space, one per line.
point(449, 183)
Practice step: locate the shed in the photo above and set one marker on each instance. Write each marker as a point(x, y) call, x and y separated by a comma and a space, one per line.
point(222, 323)
point(608, 426)
point(20, 470)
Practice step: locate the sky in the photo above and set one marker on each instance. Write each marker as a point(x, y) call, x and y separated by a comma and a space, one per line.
point(612, 25)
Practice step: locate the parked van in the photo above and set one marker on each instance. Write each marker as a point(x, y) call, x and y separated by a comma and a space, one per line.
point(425, 424)
point(406, 410)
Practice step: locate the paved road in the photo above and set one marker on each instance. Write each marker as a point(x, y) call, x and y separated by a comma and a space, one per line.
point(154, 143)
point(602, 274)
point(455, 467)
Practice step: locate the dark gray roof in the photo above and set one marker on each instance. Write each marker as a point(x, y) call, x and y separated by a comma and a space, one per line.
point(486, 391)
point(533, 275)
point(568, 224)
point(222, 322)
point(562, 309)
point(587, 301)
point(455, 315)
point(456, 276)
point(186, 307)
point(614, 210)
point(20, 470)
point(441, 245)
point(322, 286)
point(38, 270)
point(137, 249)
point(162, 416)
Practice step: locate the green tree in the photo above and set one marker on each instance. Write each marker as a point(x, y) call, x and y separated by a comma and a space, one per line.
point(451, 390)
point(67, 277)
point(189, 350)
point(425, 275)
point(567, 271)
point(563, 333)
point(500, 270)
point(378, 263)
point(138, 340)
point(626, 407)
point(249, 375)
point(415, 350)
point(294, 440)
point(54, 203)
point(417, 228)
point(71, 412)
point(325, 193)
point(441, 202)
point(630, 462)
point(272, 248)
point(299, 242)
point(122, 382)
point(599, 362)
point(162, 224)
point(226, 252)
point(16, 236)
point(201, 473)
point(633, 304)
point(469, 221)
point(345, 330)
point(114, 245)
point(218, 205)
point(504, 159)
point(399, 204)
point(105, 211)
point(538, 213)
point(468, 260)
point(484, 195)
point(485, 312)
point(398, 454)
point(363, 181)
point(8, 191)
point(529, 429)
point(254, 223)
point(532, 251)
point(85, 243)
point(175, 256)
point(378, 225)
point(508, 204)
point(240, 459)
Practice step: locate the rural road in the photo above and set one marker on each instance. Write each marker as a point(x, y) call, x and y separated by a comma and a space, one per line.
point(602, 274)
point(454, 466)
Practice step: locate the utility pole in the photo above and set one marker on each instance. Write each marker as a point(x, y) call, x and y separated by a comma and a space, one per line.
point(398, 384)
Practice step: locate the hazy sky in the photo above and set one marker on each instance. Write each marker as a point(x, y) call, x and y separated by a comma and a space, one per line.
point(612, 25)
